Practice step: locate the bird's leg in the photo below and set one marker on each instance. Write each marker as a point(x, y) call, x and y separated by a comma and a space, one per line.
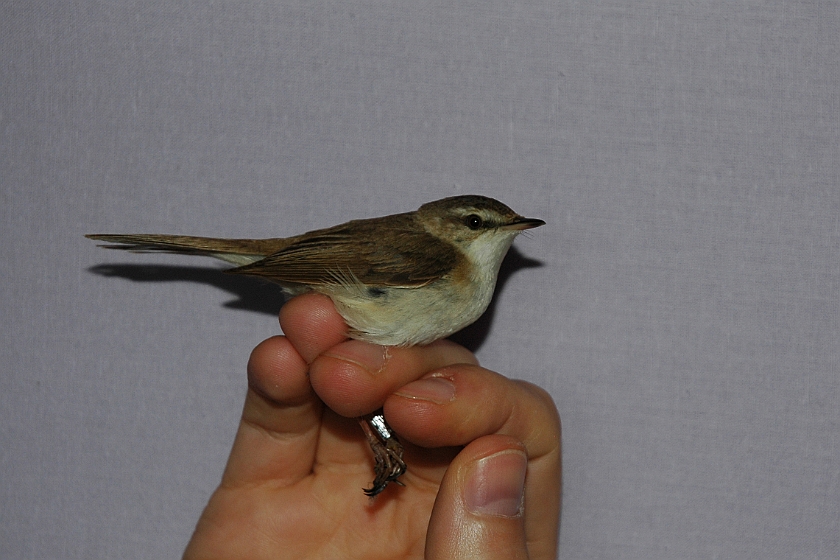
point(387, 452)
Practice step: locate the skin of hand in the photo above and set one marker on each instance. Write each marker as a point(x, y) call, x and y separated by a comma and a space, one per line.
point(293, 484)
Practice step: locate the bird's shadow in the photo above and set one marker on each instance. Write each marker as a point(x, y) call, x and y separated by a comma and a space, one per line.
point(260, 296)
point(251, 294)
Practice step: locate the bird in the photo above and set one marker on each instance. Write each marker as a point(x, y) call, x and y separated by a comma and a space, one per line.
point(398, 280)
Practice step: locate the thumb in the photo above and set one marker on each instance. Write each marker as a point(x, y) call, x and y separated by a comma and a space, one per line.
point(479, 511)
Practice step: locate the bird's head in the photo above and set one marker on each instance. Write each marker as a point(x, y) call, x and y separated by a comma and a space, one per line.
point(480, 227)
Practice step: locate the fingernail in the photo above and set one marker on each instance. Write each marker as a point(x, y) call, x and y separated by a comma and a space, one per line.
point(371, 357)
point(438, 390)
point(496, 484)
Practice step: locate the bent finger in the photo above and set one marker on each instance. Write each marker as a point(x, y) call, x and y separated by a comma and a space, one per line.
point(354, 377)
point(312, 324)
point(278, 433)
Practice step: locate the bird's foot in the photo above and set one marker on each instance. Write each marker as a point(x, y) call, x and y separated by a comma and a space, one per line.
point(387, 452)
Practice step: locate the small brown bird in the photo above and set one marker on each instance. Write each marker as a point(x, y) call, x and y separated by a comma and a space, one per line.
point(397, 280)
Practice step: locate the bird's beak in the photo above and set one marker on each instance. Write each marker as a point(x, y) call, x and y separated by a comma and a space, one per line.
point(520, 224)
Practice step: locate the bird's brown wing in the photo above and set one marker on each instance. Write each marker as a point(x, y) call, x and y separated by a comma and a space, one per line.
point(404, 257)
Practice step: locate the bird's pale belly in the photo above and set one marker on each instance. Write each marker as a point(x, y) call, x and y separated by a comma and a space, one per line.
point(409, 316)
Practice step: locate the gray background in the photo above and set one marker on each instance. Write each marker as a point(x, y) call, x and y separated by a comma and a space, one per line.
point(682, 304)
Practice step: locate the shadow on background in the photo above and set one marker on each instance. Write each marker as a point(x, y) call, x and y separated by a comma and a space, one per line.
point(257, 295)
point(251, 294)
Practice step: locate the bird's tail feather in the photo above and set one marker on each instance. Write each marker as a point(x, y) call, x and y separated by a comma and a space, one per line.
point(235, 251)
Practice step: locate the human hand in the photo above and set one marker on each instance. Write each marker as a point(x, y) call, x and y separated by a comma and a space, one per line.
point(293, 484)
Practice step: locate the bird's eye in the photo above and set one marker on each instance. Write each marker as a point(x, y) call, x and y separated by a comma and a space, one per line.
point(474, 222)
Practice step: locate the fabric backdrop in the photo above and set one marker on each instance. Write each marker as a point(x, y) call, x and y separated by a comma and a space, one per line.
point(682, 305)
